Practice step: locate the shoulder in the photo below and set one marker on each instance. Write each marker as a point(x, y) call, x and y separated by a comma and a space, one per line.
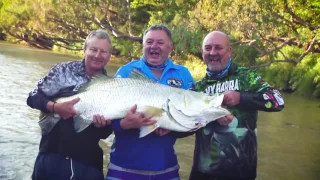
point(243, 69)
point(71, 68)
point(185, 73)
point(250, 79)
point(244, 72)
point(131, 64)
point(182, 74)
point(248, 73)
point(182, 69)
point(125, 69)
point(69, 64)
point(201, 83)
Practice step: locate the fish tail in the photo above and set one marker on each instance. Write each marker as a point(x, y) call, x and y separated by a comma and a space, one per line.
point(80, 123)
point(47, 122)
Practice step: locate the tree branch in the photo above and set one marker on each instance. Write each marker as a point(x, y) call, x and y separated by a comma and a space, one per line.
point(309, 50)
point(115, 32)
point(296, 19)
point(66, 47)
point(274, 61)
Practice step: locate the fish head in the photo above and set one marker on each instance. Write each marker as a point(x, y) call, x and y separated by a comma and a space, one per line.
point(190, 102)
point(195, 110)
point(201, 122)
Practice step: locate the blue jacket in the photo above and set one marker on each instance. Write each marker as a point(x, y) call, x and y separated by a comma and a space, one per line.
point(153, 152)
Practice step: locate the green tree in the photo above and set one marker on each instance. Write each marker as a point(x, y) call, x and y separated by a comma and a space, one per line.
point(281, 37)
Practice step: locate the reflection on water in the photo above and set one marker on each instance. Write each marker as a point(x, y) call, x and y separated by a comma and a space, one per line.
point(288, 141)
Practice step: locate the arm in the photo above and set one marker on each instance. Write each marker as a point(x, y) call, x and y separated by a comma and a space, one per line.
point(263, 97)
point(263, 101)
point(39, 100)
point(259, 96)
point(186, 134)
point(102, 125)
point(105, 131)
point(181, 134)
point(116, 125)
point(48, 88)
point(40, 97)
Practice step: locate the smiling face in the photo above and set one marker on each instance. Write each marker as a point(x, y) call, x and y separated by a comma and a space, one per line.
point(156, 47)
point(216, 51)
point(97, 54)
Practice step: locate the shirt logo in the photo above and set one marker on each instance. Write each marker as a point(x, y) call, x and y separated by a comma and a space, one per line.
point(76, 88)
point(220, 87)
point(173, 82)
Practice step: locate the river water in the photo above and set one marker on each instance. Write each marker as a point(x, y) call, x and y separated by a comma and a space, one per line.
point(288, 141)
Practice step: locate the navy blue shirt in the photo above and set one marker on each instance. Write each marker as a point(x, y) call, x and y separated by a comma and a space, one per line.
point(152, 152)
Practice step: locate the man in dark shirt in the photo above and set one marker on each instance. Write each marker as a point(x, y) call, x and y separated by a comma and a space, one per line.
point(64, 153)
point(228, 150)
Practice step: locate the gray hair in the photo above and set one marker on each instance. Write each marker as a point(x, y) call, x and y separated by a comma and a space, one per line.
point(100, 34)
point(159, 27)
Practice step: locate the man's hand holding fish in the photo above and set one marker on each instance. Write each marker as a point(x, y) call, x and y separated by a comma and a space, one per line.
point(134, 119)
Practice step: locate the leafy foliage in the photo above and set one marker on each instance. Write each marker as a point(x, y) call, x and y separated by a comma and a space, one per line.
point(281, 37)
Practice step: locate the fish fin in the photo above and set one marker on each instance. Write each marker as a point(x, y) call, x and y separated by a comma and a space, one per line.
point(136, 74)
point(153, 111)
point(97, 78)
point(145, 130)
point(47, 121)
point(216, 100)
point(43, 115)
point(100, 77)
point(80, 123)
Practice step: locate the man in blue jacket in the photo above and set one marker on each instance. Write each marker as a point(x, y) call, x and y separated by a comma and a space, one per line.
point(153, 156)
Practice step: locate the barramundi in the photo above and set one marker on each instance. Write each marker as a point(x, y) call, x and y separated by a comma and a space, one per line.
point(173, 108)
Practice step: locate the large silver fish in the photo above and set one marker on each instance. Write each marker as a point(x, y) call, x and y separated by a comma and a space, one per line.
point(173, 108)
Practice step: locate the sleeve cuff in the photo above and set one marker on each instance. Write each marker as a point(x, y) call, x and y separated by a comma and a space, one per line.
point(116, 125)
point(44, 105)
point(106, 131)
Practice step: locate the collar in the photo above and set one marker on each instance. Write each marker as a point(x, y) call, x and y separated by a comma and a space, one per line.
point(233, 68)
point(142, 65)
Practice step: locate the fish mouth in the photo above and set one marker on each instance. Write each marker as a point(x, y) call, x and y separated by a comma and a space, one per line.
point(192, 126)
